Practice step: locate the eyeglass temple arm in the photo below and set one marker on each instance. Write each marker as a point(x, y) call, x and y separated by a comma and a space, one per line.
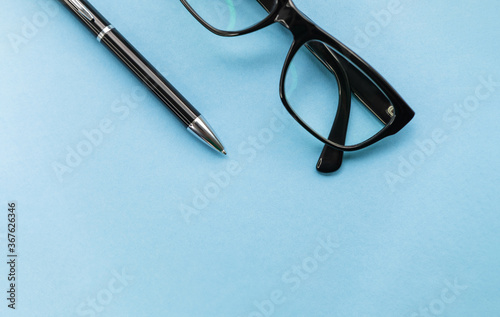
point(348, 76)
point(330, 159)
point(349, 79)
point(367, 92)
point(363, 88)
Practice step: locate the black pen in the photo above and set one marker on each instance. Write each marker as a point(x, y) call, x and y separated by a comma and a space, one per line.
point(117, 44)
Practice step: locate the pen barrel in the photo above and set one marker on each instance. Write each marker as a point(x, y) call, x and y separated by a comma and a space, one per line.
point(155, 81)
point(134, 60)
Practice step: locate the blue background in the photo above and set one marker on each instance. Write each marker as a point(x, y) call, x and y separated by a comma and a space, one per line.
point(406, 224)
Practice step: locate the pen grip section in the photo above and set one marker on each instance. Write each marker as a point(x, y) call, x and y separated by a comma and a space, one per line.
point(153, 79)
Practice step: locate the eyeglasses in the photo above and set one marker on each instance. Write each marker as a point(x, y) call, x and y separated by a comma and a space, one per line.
point(322, 81)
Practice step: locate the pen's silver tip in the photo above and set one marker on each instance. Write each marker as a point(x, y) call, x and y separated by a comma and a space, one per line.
point(202, 130)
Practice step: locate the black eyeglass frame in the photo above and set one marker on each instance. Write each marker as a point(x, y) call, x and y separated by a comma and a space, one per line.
point(304, 30)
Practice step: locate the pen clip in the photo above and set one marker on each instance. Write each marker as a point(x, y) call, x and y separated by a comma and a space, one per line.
point(82, 9)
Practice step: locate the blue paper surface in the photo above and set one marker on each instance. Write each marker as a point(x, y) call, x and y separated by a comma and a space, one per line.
point(150, 222)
